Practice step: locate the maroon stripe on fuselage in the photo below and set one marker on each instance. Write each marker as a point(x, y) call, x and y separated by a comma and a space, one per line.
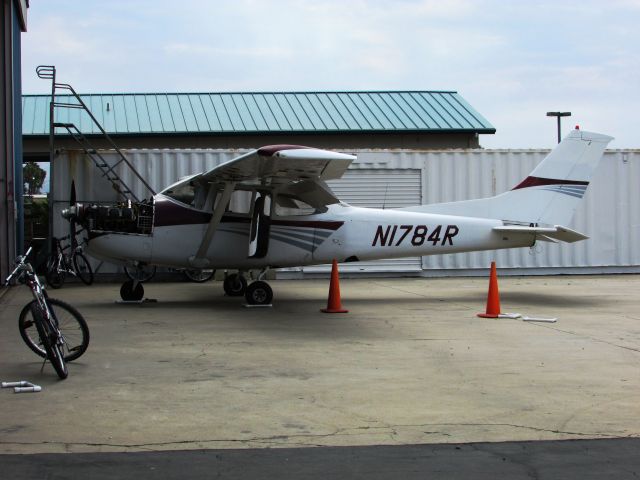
point(168, 213)
point(537, 182)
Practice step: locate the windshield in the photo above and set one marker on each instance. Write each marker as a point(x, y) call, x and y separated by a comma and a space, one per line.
point(183, 193)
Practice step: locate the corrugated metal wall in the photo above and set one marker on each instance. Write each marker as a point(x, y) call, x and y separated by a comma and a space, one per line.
point(362, 186)
point(609, 214)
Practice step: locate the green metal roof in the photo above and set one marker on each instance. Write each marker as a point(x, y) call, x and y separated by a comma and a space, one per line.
point(261, 112)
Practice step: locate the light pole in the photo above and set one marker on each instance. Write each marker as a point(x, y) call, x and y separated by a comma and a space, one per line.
point(558, 115)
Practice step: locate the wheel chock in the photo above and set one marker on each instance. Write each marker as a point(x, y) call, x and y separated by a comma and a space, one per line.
point(22, 387)
point(136, 302)
point(539, 319)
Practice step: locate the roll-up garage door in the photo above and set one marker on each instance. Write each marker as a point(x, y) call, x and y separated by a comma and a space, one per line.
point(378, 188)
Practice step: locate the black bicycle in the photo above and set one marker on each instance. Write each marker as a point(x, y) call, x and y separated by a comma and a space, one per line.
point(67, 260)
point(51, 328)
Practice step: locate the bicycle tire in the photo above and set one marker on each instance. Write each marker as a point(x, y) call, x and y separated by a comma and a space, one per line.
point(71, 324)
point(54, 276)
point(83, 268)
point(52, 349)
point(199, 275)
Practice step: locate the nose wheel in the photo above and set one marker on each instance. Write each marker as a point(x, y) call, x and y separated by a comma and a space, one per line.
point(131, 291)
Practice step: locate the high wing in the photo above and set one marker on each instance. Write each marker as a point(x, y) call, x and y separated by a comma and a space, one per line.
point(291, 171)
point(282, 164)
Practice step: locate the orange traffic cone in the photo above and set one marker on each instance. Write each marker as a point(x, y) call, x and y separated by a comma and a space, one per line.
point(493, 297)
point(333, 302)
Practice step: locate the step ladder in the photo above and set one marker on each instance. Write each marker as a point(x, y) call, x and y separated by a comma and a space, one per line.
point(109, 171)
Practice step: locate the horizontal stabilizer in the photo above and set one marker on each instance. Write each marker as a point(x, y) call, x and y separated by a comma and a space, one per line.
point(556, 232)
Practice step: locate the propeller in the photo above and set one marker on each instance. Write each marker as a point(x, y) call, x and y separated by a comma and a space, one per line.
point(76, 214)
point(72, 195)
point(72, 218)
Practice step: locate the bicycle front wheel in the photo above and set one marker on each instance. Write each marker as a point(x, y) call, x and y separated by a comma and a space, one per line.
point(71, 324)
point(50, 342)
point(82, 268)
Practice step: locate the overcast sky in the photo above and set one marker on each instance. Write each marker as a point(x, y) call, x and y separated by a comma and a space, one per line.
point(512, 60)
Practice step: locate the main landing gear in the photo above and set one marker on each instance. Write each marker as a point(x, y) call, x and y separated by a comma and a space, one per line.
point(256, 293)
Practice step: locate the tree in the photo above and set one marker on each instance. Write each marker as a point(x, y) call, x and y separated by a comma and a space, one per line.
point(33, 176)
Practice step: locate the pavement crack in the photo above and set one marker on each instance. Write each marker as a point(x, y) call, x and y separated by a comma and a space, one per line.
point(391, 431)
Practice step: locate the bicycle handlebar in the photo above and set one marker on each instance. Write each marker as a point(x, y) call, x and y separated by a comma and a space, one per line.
point(21, 265)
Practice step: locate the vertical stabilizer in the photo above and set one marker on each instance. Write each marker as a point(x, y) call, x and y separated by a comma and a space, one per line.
point(549, 195)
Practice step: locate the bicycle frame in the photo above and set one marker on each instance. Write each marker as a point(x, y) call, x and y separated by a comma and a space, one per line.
point(64, 262)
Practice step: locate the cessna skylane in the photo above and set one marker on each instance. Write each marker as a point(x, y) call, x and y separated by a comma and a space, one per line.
point(271, 208)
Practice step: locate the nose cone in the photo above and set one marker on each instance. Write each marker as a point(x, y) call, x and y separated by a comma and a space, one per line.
point(77, 213)
point(69, 213)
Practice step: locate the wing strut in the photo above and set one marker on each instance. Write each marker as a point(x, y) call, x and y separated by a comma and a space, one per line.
point(199, 260)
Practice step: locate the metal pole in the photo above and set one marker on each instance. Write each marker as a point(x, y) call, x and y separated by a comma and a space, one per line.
point(51, 151)
point(558, 115)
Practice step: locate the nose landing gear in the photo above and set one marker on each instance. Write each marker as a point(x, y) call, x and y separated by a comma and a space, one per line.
point(132, 291)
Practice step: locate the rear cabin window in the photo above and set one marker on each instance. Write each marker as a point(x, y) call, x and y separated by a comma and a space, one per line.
point(290, 206)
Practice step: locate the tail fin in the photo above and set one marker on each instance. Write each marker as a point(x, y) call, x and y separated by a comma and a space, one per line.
point(549, 195)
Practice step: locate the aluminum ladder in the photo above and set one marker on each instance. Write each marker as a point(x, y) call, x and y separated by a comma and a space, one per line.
point(109, 172)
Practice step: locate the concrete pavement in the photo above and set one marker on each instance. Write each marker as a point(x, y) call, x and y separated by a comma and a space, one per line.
point(410, 364)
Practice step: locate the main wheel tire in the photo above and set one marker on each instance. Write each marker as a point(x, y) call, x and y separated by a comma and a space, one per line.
point(71, 324)
point(259, 293)
point(199, 275)
point(53, 275)
point(83, 268)
point(143, 273)
point(235, 285)
point(51, 347)
point(131, 293)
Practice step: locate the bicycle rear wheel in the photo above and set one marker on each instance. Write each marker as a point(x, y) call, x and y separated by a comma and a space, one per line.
point(54, 275)
point(199, 275)
point(71, 324)
point(82, 268)
point(143, 273)
point(49, 340)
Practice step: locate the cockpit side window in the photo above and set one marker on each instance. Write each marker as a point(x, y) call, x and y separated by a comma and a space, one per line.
point(287, 206)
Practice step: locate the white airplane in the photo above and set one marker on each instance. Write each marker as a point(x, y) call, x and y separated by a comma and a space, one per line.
point(292, 218)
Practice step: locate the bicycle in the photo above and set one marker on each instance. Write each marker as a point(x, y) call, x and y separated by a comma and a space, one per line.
point(61, 333)
point(60, 264)
point(145, 272)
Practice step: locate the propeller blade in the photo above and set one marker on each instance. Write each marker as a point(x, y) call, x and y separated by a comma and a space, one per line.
point(72, 195)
